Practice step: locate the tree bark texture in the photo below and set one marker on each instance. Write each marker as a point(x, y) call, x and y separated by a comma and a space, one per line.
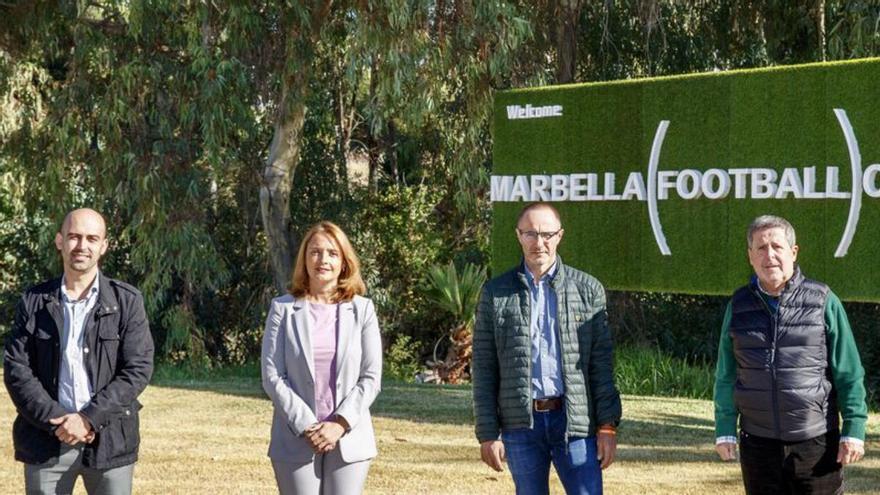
point(820, 28)
point(568, 13)
point(277, 182)
point(284, 152)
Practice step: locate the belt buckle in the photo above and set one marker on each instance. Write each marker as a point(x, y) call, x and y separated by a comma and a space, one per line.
point(537, 405)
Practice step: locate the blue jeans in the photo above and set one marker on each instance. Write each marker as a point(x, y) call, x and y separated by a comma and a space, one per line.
point(529, 452)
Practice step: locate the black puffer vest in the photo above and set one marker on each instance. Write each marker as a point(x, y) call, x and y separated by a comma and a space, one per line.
point(783, 388)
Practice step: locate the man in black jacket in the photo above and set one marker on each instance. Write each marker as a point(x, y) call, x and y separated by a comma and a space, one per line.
point(79, 354)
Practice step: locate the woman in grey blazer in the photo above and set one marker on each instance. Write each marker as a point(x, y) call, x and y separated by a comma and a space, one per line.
point(322, 367)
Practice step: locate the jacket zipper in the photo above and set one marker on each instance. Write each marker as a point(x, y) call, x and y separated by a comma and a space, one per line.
point(529, 361)
point(558, 329)
point(774, 327)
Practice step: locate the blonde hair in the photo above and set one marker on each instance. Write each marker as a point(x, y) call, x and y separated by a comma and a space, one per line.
point(349, 283)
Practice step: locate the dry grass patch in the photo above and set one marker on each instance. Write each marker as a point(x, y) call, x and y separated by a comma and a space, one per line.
point(211, 437)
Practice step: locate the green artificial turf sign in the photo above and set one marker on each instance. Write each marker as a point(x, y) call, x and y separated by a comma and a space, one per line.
point(657, 179)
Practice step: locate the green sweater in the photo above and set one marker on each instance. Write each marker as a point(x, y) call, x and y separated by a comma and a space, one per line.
point(846, 369)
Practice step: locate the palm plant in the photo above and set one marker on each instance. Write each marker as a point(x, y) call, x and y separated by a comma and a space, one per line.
point(458, 294)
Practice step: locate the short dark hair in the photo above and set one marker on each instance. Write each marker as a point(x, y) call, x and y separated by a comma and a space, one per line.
point(535, 206)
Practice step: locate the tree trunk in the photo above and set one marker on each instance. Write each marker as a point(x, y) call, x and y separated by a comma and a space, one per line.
point(277, 182)
point(455, 368)
point(389, 141)
point(277, 177)
point(345, 123)
point(372, 140)
point(568, 14)
point(820, 28)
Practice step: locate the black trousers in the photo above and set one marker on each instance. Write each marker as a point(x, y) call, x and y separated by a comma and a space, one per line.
point(775, 467)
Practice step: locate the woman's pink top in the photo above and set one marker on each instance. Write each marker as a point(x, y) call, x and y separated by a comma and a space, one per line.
point(323, 319)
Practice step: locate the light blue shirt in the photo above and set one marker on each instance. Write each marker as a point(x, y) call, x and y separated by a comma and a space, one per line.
point(74, 389)
point(546, 355)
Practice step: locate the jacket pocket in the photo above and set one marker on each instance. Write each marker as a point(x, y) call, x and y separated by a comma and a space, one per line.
point(121, 436)
point(108, 342)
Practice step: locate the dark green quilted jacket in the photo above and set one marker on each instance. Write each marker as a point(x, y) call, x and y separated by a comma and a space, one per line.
point(501, 366)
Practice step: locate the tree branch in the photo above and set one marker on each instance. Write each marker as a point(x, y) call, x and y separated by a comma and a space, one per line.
point(105, 25)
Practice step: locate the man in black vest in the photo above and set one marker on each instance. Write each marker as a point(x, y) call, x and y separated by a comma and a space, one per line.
point(788, 368)
point(78, 355)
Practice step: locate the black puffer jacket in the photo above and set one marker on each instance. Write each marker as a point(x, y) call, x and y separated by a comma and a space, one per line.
point(119, 362)
point(783, 387)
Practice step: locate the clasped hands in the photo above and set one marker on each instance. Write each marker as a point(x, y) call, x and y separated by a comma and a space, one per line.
point(73, 428)
point(323, 435)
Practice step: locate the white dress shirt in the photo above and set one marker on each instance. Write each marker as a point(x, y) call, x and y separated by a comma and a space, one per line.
point(74, 389)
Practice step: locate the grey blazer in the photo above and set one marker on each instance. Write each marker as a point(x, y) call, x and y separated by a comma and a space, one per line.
point(288, 377)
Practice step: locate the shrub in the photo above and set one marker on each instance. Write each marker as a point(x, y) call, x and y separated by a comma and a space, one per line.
point(398, 239)
point(646, 371)
point(402, 360)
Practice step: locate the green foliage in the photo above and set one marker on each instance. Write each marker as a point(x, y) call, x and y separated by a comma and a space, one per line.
point(865, 321)
point(649, 371)
point(184, 341)
point(456, 293)
point(401, 362)
point(398, 238)
point(681, 325)
point(160, 113)
point(853, 29)
point(157, 128)
point(19, 244)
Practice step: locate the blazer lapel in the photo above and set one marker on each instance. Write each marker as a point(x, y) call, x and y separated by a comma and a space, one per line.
point(345, 333)
point(303, 332)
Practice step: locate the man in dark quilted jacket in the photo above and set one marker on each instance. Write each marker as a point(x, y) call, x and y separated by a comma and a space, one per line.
point(543, 367)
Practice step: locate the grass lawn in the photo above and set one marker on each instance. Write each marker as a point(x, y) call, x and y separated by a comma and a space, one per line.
point(210, 436)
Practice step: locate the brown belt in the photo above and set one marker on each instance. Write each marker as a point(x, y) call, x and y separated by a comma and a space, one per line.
point(544, 405)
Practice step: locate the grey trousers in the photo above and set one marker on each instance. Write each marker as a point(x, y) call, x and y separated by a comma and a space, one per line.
point(328, 474)
point(58, 476)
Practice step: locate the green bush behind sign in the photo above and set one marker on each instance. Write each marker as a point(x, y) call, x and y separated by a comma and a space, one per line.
point(719, 124)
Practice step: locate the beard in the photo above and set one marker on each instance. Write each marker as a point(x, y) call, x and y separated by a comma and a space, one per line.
point(81, 265)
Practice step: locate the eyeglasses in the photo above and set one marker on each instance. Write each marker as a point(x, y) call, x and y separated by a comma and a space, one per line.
point(531, 235)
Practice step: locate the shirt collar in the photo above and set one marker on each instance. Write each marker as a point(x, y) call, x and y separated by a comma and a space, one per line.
point(757, 283)
point(547, 277)
point(92, 292)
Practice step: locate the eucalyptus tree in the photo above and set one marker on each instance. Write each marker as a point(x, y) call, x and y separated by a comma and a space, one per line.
point(135, 109)
point(185, 123)
point(418, 67)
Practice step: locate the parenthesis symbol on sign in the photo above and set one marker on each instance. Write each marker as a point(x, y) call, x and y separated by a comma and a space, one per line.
point(653, 214)
point(855, 205)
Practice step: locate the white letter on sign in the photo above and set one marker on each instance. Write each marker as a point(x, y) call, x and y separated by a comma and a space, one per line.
point(501, 187)
point(869, 181)
point(520, 189)
point(723, 183)
point(539, 188)
point(763, 183)
point(559, 188)
point(681, 184)
point(790, 183)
